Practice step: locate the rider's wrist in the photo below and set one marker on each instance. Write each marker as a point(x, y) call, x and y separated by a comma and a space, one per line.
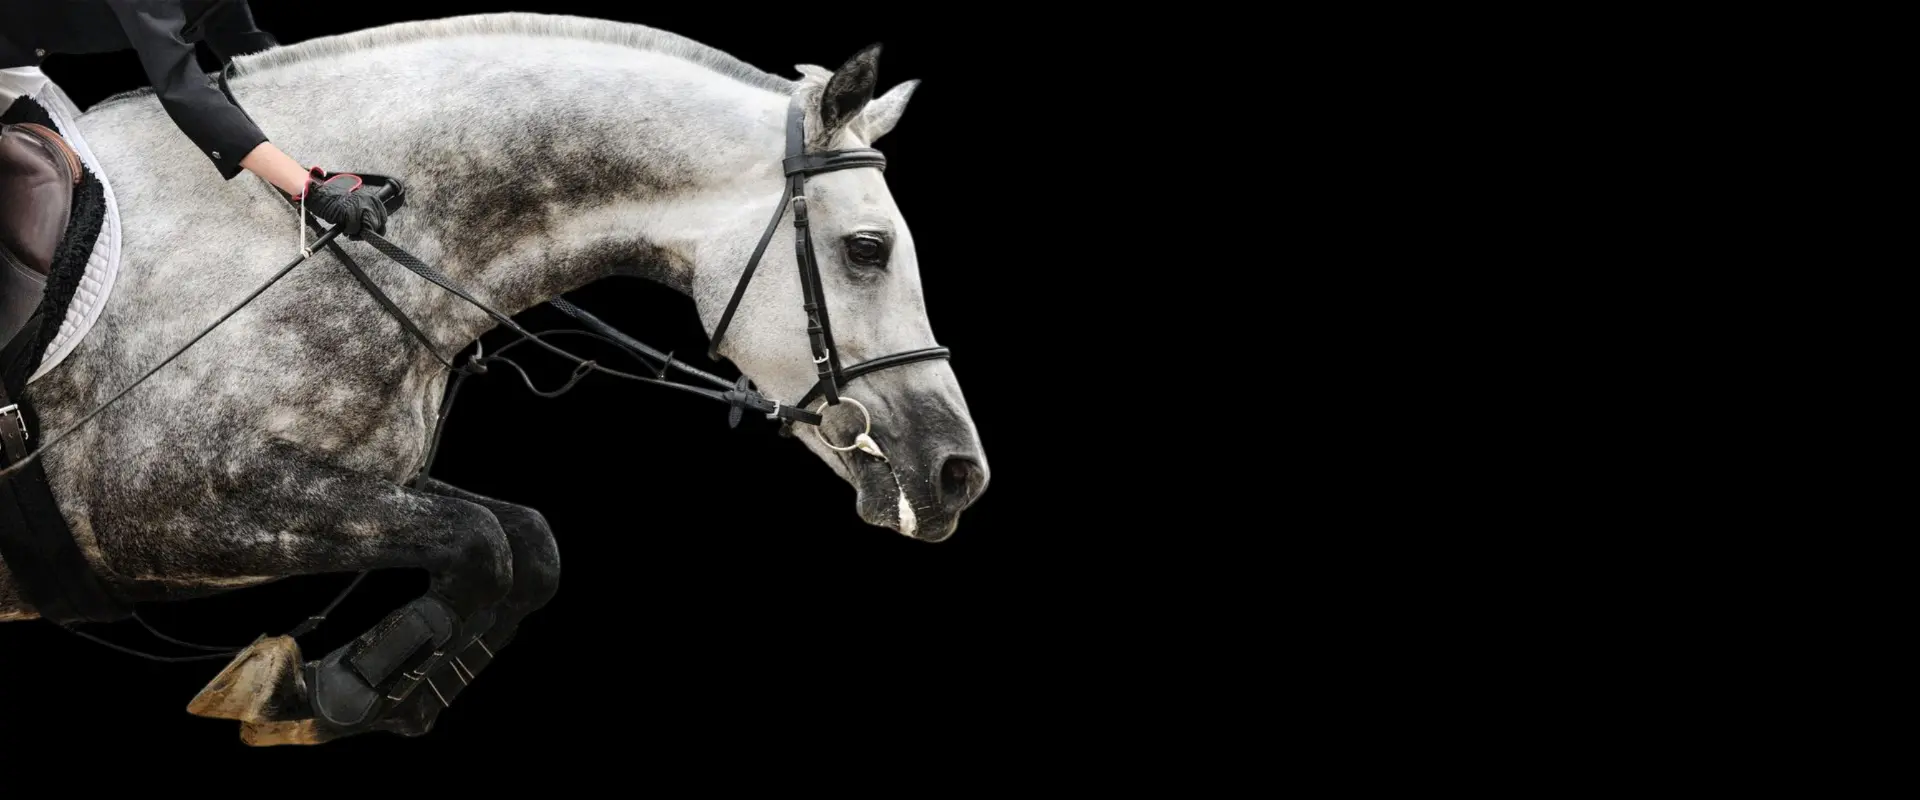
point(313, 177)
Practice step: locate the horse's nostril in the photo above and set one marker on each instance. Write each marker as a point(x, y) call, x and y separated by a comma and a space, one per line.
point(961, 479)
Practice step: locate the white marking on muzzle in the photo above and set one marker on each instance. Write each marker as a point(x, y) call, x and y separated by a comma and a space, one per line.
point(907, 521)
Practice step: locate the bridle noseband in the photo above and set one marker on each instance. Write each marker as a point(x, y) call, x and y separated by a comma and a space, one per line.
point(826, 358)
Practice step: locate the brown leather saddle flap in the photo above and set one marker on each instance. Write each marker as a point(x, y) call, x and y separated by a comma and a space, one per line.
point(38, 171)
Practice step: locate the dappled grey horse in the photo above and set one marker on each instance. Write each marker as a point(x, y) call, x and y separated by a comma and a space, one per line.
point(540, 154)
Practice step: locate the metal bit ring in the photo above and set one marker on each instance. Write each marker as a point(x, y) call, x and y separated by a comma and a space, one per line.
point(868, 428)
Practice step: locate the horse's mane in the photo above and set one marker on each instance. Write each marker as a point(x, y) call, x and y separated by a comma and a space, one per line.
point(639, 37)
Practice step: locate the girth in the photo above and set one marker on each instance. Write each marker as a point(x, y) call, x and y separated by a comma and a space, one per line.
point(48, 568)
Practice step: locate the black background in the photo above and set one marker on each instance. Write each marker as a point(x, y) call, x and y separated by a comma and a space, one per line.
point(719, 592)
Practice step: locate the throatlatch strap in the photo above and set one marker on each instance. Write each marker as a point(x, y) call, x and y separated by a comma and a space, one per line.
point(740, 289)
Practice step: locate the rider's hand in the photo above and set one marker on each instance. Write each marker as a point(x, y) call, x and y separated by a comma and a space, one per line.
point(338, 200)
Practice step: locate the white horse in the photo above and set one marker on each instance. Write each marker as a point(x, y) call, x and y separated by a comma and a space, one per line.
point(540, 154)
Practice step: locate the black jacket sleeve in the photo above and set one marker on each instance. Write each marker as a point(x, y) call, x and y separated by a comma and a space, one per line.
point(222, 132)
point(230, 31)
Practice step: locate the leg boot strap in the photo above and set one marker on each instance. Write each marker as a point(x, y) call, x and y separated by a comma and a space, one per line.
point(467, 655)
point(385, 665)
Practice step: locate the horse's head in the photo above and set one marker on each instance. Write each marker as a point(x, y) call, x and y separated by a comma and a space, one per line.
point(924, 464)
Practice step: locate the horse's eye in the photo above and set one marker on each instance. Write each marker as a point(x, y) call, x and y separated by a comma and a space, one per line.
point(867, 250)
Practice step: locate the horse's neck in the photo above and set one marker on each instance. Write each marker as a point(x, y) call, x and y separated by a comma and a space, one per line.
point(530, 180)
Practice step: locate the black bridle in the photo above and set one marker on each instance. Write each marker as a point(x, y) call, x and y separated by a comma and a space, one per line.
point(826, 358)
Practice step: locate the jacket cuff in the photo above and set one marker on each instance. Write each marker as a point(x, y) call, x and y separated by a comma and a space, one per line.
point(226, 155)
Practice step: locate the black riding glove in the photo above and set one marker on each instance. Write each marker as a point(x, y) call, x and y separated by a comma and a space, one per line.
point(339, 201)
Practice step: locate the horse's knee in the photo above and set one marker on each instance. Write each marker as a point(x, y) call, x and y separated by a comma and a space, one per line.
point(479, 566)
point(536, 562)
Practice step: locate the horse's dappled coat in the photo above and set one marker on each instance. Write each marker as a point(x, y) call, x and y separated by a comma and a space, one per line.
point(541, 154)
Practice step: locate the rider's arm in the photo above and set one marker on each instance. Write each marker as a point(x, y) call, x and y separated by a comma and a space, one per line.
point(222, 132)
point(229, 30)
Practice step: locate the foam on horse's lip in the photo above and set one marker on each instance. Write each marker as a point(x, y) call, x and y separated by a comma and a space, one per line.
point(907, 521)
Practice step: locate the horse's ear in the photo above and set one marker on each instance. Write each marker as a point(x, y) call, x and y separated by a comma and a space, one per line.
point(884, 112)
point(848, 91)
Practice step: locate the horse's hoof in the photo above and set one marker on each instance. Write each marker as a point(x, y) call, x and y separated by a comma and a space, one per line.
point(269, 734)
point(262, 684)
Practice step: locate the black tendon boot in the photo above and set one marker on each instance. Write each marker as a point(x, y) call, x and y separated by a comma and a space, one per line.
point(358, 683)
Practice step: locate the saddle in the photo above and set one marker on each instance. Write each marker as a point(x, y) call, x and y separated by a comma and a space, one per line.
point(50, 214)
point(38, 173)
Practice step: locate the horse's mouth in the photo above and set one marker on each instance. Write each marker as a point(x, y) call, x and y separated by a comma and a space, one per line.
point(886, 501)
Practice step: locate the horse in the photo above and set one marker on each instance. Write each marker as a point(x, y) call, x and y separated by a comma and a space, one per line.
point(539, 154)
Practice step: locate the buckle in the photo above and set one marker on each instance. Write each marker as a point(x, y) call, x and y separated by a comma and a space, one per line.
point(15, 411)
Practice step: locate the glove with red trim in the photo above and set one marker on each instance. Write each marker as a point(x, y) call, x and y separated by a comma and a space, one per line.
point(337, 199)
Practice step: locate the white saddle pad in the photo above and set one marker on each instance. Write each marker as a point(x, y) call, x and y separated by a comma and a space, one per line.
point(103, 263)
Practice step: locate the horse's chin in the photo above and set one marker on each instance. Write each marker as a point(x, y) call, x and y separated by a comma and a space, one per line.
point(883, 503)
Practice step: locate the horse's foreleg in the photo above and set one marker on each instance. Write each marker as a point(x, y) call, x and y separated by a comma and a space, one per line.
point(536, 558)
point(536, 577)
point(316, 518)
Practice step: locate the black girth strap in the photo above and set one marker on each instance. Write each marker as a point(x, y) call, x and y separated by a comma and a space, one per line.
point(52, 575)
